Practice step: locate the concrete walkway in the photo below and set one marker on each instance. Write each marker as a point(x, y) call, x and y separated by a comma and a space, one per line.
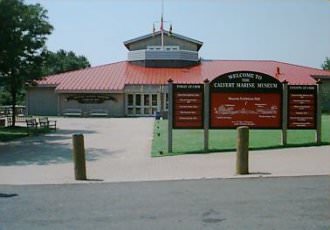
point(119, 150)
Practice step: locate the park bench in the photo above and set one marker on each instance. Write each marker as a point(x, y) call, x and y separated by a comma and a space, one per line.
point(72, 112)
point(31, 123)
point(98, 113)
point(45, 123)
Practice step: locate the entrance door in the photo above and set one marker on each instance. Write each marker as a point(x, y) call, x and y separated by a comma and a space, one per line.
point(144, 104)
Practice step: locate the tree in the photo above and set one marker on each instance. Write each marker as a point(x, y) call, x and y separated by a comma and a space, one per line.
point(23, 33)
point(326, 64)
point(63, 61)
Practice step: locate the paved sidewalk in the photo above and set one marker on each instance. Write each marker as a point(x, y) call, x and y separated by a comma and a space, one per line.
point(118, 149)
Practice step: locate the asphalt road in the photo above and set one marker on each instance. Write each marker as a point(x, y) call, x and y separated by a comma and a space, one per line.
point(261, 203)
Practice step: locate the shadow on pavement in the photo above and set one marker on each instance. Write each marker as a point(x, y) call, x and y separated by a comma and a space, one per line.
point(8, 195)
point(52, 148)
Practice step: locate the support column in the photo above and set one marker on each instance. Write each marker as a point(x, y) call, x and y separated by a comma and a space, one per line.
point(318, 114)
point(206, 114)
point(170, 115)
point(285, 113)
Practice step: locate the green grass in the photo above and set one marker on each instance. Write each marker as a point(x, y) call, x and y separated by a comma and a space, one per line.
point(12, 133)
point(191, 141)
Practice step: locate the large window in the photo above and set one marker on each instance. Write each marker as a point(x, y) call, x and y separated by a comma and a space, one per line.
point(142, 104)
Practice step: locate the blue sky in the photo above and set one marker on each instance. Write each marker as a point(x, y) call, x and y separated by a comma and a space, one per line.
point(294, 31)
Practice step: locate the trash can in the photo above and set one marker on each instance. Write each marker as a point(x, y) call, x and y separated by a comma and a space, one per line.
point(157, 115)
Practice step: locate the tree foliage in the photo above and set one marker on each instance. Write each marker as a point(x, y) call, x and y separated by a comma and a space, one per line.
point(23, 33)
point(63, 61)
point(326, 64)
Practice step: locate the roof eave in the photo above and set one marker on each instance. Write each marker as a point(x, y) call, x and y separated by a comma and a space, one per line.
point(87, 91)
point(322, 77)
point(45, 85)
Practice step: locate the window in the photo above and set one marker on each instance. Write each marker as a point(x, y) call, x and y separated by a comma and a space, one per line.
point(142, 104)
point(130, 99)
point(166, 101)
point(130, 111)
point(154, 99)
point(146, 99)
point(138, 100)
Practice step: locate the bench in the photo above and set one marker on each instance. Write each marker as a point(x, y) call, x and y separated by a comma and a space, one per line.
point(98, 113)
point(72, 112)
point(45, 123)
point(31, 123)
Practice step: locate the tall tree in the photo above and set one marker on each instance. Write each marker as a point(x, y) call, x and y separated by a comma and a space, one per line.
point(23, 33)
point(63, 61)
point(326, 64)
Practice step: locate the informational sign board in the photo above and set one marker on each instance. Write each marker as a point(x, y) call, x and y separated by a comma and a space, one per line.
point(188, 106)
point(245, 98)
point(302, 106)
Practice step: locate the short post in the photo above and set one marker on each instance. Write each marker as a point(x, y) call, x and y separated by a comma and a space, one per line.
point(79, 157)
point(242, 156)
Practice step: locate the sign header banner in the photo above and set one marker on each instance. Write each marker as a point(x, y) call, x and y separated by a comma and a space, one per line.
point(246, 81)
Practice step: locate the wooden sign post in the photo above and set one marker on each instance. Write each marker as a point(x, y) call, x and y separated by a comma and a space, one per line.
point(206, 114)
point(170, 116)
point(285, 114)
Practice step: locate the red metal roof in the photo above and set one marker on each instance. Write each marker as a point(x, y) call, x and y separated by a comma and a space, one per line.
point(114, 77)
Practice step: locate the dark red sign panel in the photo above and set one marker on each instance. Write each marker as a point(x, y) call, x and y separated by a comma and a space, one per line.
point(302, 107)
point(188, 106)
point(256, 110)
point(245, 99)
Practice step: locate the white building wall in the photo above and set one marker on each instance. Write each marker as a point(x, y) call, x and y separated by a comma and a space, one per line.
point(114, 108)
point(41, 101)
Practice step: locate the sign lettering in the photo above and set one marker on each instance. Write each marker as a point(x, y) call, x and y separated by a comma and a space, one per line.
point(245, 98)
point(188, 106)
point(302, 106)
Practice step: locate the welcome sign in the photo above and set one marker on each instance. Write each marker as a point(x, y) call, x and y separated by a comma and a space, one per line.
point(245, 98)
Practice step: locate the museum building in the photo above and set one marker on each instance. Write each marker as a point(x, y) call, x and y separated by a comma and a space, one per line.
point(138, 86)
